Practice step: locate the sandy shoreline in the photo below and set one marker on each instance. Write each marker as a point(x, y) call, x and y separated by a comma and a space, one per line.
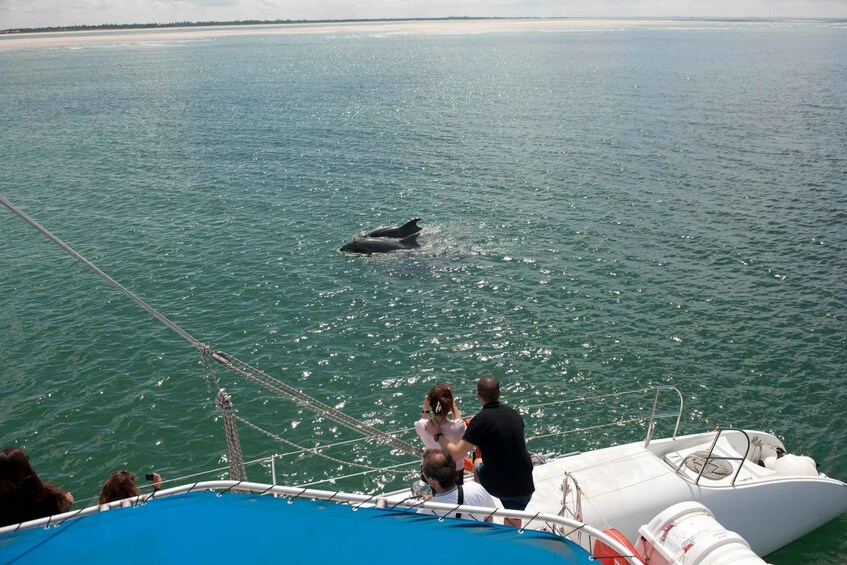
point(409, 27)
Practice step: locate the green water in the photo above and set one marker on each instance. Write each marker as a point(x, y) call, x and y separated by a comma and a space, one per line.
point(602, 212)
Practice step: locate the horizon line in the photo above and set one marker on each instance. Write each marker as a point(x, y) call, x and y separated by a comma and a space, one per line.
point(154, 25)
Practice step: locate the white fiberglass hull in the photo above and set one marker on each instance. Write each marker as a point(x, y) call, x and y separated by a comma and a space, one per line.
point(624, 487)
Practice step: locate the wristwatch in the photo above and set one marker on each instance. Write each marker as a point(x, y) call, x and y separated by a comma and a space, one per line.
point(437, 437)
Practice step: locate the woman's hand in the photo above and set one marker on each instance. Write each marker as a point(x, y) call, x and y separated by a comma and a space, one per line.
point(426, 406)
point(456, 414)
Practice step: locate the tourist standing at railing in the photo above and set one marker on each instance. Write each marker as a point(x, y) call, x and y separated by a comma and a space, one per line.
point(438, 404)
point(498, 431)
point(23, 496)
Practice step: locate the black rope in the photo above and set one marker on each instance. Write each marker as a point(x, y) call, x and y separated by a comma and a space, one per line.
point(522, 528)
point(574, 530)
point(454, 509)
point(371, 497)
point(223, 492)
point(420, 503)
point(408, 498)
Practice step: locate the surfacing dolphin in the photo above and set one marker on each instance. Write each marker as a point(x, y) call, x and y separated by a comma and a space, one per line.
point(400, 232)
point(368, 245)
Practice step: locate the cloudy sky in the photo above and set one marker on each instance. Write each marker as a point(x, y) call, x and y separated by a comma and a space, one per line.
point(44, 13)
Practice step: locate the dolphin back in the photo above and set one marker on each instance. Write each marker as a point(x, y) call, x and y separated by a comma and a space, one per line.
point(400, 232)
point(369, 245)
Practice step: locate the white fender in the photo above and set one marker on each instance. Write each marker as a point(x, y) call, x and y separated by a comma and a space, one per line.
point(687, 533)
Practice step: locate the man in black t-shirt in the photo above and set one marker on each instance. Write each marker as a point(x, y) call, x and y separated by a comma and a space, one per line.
point(498, 430)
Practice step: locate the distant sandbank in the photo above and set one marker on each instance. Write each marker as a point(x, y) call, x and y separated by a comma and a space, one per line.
point(81, 39)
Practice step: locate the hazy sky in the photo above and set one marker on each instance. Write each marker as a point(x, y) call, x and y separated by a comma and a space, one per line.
point(44, 13)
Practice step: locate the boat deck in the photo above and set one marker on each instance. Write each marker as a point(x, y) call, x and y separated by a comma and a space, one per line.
point(206, 527)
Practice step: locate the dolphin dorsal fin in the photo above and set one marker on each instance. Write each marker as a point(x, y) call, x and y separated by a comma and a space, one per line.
point(411, 240)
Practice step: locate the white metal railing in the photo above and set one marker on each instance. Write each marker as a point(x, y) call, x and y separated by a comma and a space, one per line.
point(651, 427)
point(356, 501)
point(270, 460)
point(710, 456)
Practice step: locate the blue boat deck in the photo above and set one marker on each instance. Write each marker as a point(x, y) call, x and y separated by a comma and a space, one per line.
point(235, 527)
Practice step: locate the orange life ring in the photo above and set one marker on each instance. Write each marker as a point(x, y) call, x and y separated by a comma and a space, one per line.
point(608, 556)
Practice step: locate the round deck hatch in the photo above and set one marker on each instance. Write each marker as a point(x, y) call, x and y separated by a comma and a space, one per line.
point(716, 469)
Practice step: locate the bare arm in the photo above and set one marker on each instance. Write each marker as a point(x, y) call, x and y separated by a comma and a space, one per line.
point(457, 450)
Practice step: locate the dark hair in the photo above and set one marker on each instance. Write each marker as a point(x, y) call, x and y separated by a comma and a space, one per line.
point(488, 388)
point(24, 496)
point(118, 486)
point(441, 399)
point(439, 466)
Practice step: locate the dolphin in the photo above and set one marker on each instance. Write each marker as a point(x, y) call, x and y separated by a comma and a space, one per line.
point(400, 232)
point(368, 245)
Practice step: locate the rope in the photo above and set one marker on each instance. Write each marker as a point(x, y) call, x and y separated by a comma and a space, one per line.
point(343, 442)
point(236, 459)
point(303, 400)
point(239, 367)
point(312, 450)
point(125, 291)
point(259, 460)
point(587, 428)
point(584, 398)
point(393, 469)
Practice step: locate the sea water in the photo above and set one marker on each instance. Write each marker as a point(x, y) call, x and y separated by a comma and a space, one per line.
point(603, 211)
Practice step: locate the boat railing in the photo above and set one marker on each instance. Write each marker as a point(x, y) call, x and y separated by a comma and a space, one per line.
point(270, 466)
point(555, 523)
point(269, 462)
point(712, 457)
point(654, 415)
point(575, 508)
